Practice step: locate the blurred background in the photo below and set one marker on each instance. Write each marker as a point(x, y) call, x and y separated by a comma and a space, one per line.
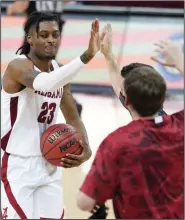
point(136, 26)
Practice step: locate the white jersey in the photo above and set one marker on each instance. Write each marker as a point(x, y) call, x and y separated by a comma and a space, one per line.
point(25, 116)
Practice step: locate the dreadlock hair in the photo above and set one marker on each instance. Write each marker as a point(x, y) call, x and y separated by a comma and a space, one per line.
point(34, 20)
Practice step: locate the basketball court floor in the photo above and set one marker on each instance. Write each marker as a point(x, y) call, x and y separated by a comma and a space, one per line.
point(101, 115)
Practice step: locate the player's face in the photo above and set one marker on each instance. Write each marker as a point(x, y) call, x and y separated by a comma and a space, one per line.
point(46, 42)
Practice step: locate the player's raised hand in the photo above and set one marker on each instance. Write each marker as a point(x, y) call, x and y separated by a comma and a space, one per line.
point(106, 41)
point(94, 42)
point(171, 52)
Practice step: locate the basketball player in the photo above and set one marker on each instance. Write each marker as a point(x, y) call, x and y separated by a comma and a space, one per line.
point(140, 166)
point(27, 7)
point(34, 88)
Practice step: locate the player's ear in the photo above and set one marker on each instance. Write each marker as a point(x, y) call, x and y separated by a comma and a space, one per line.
point(127, 101)
point(29, 39)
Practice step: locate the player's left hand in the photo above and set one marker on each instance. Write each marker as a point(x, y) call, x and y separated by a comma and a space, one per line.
point(106, 41)
point(76, 160)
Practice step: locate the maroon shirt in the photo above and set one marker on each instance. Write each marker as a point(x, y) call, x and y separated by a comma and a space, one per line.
point(141, 168)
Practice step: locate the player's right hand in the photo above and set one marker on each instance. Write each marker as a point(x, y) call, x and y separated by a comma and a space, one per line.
point(106, 41)
point(94, 42)
point(171, 52)
point(72, 160)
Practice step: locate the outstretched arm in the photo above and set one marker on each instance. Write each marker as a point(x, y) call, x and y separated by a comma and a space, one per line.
point(172, 55)
point(106, 50)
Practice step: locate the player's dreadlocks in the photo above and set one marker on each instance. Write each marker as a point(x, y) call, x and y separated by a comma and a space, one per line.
point(34, 19)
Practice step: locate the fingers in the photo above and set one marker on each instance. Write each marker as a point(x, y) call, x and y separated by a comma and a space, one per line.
point(102, 39)
point(72, 160)
point(65, 165)
point(160, 44)
point(109, 28)
point(95, 26)
point(106, 40)
point(92, 26)
point(103, 33)
point(167, 42)
point(102, 36)
point(106, 30)
point(163, 43)
point(161, 61)
point(68, 163)
point(74, 157)
point(159, 50)
point(158, 60)
point(171, 53)
point(95, 29)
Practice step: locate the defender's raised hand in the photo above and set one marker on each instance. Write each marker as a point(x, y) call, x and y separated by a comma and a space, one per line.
point(112, 65)
point(106, 41)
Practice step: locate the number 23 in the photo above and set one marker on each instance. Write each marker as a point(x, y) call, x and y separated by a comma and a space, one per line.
point(42, 118)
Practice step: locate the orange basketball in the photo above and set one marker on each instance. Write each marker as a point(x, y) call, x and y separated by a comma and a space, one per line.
point(57, 141)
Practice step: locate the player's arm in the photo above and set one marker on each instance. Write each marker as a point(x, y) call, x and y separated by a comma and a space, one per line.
point(172, 55)
point(22, 72)
point(17, 7)
point(101, 181)
point(70, 112)
point(106, 50)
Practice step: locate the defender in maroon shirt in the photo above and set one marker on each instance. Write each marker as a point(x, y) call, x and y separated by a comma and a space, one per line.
point(140, 166)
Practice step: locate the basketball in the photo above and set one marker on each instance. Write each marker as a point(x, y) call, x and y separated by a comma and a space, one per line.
point(57, 141)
